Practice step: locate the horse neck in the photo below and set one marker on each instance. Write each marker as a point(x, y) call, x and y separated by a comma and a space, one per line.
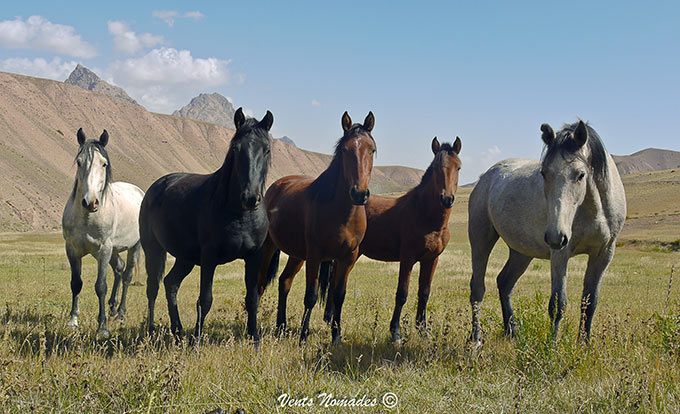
point(226, 189)
point(427, 200)
point(340, 203)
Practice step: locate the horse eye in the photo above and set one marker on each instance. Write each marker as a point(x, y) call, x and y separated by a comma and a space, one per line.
point(79, 163)
point(543, 173)
point(104, 165)
point(580, 176)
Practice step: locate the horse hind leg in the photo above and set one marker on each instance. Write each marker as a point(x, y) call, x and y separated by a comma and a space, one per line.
point(172, 281)
point(118, 267)
point(131, 261)
point(154, 257)
point(483, 237)
point(514, 268)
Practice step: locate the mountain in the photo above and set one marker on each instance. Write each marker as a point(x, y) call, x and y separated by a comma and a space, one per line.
point(287, 140)
point(213, 108)
point(38, 123)
point(650, 159)
point(88, 80)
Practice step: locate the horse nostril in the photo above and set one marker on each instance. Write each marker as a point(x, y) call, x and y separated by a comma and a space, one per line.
point(564, 241)
point(84, 203)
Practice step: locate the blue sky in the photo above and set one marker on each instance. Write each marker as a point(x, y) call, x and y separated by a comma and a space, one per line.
point(489, 72)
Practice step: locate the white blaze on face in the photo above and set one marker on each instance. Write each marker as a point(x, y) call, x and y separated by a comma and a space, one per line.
point(92, 177)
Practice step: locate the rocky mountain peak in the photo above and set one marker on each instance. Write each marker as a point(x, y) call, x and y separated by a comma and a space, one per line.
point(88, 80)
point(213, 108)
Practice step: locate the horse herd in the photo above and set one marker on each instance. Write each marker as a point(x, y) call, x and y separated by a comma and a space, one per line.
point(570, 202)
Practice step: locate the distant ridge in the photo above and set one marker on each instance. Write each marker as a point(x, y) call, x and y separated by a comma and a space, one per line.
point(650, 159)
point(88, 80)
point(213, 108)
point(287, 140)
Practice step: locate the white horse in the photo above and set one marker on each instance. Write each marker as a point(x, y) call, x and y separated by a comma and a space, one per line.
point(571, 202)
point(101, 219)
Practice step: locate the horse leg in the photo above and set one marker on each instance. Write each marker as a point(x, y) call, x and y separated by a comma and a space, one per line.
point(597, 264)
point(154, 257)
point(253, 264)
point(118, 266)
point(344, 266)
point(130, 262)
point(293, 266)
point(205, 298)
point(405, 267)
point(482, 237)
point(328, 311)
point(427, 268)
point(311, 295)
point(558, 282)
point(514, 268)
point(103, 259)
point(172, 281)
point(75, 261)
point(263, 277)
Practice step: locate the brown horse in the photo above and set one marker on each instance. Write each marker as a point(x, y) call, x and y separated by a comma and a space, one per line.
point(409, 229)
point(319, 220)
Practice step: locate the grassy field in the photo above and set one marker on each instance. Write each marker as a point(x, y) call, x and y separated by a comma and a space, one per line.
point(632, 363)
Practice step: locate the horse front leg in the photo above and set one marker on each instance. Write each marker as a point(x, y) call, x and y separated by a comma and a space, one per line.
point(253, 264)
point(118, 266)
point(132, 258)
point(597, 265)
point(293, 266)
point(205, 298)
point(103, 259)
point(340, 276)
point(427, 268)
point(75, 262)
point(405, 268)
point(558, 293)
point(311, 295)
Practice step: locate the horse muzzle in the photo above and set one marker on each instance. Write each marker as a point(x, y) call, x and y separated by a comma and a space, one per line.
point(92, 206)
point(447, 201)
point(359, 198)
point(250, 202)
point(556, 241)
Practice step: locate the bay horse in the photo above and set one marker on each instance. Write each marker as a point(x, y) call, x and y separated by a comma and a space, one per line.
point(320, 219)
point(100, 218)
point(571, 202)
point(209, 219)
point(409, 229)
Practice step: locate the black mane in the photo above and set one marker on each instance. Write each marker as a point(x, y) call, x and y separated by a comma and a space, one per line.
point(323, 188)
point(565, 145)
point(438, 158)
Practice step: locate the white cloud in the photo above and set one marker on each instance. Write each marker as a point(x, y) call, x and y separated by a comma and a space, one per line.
point(165, 79)
point(37, 33)
point(39, 67)
point(491, 156)
point(127, 41)
point(169, 16)
point(316, 103)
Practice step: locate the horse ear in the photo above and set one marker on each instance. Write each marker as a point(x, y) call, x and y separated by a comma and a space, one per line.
point(239, 118)
point(548, 135)
point(435, 145)
point(581, 134)
point(457, 145)
point(346, 122)
point(104, 139)
point(81, 137)
point(369, 122)
point(267, 121)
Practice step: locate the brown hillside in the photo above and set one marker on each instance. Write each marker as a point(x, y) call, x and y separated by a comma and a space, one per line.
point(650, 159)
point(38, 121)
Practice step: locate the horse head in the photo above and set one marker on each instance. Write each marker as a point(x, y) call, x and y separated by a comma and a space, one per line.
point(94, 170)
point(251, 152)
point(444, 169)
point(356, 149)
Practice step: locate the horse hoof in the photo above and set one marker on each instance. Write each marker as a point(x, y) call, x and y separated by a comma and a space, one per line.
point(73, 323)
point(120, 318)
point(103, 334)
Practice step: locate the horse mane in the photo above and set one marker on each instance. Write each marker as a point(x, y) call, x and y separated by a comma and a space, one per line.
point(438, 159)
point(88, 149)
point(564, 145)
point(323, 188)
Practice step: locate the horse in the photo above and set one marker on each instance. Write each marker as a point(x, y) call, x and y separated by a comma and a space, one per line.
point(100, 218)
point(319, 220)
point(409, 229)
point(207, 220)
point(571, 202)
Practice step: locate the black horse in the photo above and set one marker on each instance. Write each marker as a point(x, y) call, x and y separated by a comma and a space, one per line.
point(208, 220)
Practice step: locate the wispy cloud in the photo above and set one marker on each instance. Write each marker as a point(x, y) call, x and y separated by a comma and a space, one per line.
point(38, 33)
point(127, 41)
point(164, 79)
point(169, 16)
point(316, 103)
point(39, 67)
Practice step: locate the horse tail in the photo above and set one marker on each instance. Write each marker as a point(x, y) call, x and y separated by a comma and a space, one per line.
point(325, 272)
point(273, 267)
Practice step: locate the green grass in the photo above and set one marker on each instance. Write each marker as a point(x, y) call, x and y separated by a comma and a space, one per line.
point(632, 363)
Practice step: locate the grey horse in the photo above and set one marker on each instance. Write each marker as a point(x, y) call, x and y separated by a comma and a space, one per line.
point(571, 202)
